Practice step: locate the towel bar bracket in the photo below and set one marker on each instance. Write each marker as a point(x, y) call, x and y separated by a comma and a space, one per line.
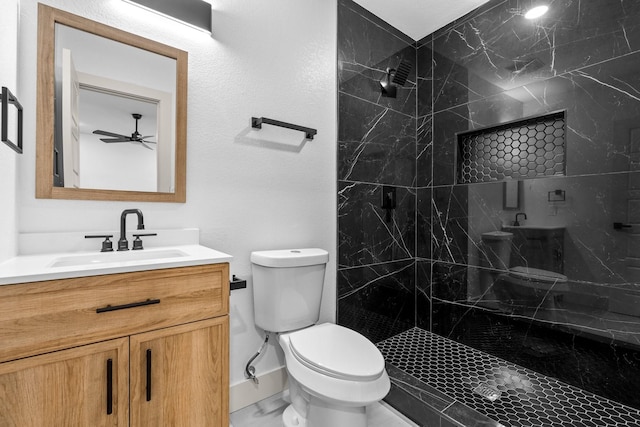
point(257, 122)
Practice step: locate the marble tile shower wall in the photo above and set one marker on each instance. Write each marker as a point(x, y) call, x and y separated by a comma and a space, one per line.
point(493, 67)
point(428, 266)
point(376, 148)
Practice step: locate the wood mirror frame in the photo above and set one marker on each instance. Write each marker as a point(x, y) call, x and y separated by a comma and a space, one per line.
point(47, 18)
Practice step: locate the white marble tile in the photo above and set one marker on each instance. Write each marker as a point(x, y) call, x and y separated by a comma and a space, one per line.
point(268, 413)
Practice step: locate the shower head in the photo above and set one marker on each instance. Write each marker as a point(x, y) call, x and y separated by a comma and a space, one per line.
point(395, 77)
point(402, 72)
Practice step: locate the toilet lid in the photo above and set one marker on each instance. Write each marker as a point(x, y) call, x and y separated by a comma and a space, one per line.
point(338, 352)
point(537, 274)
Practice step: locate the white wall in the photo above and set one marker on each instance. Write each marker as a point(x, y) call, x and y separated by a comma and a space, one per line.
point(8, 157)
point(246, 190)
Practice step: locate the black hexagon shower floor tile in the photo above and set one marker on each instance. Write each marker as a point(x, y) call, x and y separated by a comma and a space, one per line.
point(508, 393)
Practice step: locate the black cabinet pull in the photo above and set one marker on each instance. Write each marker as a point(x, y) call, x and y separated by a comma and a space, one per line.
point(148, 375)
point(109, 386)
point(125, 306)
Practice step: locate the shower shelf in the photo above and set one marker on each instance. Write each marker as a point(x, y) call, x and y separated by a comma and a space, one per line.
point(257, 122)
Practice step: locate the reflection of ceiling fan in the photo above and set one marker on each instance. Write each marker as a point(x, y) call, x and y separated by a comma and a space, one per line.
point(135, 136)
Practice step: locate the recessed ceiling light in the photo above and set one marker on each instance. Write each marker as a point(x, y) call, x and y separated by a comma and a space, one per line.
point(536, 12)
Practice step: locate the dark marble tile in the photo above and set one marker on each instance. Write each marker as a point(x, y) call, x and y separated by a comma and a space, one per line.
point(376, 144)
point(377, 300)
point(574, 236)
point(468, 417)
point(411, 407)
point(365, 51)
point(450, 282)
point(601, 104)
point(395, 275)
point(425, 393)
point(445, 126)
point(364, 235)
point(425, 80)
point(499, 50)
point(424, 237)
point(450, 223)
point(423, 294)
point(468, 17)
point(373, 19)
point(424, 154)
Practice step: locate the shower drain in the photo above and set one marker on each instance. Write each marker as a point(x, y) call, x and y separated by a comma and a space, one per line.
point(487, 392)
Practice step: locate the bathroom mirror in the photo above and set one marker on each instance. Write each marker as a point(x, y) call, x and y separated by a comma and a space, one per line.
point(111, 121)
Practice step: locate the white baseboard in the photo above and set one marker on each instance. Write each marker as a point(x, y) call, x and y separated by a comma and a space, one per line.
point(247, 392)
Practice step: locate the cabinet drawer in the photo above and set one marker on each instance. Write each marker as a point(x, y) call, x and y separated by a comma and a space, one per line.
point(45, 316)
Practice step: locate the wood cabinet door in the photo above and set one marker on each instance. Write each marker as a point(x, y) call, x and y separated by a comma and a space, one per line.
point(68, 387)
point(180, 375)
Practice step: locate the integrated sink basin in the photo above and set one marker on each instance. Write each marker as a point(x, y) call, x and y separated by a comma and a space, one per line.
point(116, 257)
point(76, 256)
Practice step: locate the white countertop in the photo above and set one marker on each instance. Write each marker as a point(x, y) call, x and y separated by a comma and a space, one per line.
point(36, 267)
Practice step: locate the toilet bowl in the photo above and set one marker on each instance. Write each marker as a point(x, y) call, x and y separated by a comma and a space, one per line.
point(334, 372)
point(337, 371)
point(526, 288)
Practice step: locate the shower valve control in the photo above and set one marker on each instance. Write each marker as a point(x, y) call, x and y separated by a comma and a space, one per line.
point(388, 197)
point(620, 226)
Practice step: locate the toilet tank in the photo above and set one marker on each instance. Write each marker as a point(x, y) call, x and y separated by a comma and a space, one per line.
point(287, 287)
point(495, 251)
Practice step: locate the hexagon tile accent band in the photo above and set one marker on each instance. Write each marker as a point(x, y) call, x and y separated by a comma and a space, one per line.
point(527, 148)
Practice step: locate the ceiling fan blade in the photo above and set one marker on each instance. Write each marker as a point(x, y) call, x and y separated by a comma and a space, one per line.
point(115, 140)
point(114, 135)
point(148, 142)
point(145, 145)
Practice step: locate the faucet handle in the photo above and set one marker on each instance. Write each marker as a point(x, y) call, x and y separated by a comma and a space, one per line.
point(137, 242)
point(107, 245)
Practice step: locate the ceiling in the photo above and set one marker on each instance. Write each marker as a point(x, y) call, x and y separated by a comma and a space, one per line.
point(419, 18)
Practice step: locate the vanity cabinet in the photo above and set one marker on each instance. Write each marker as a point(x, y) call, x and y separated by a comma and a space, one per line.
point(142, 349)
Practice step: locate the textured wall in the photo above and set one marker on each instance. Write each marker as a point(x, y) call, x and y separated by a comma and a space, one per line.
point(8, 157)
point(246, 190)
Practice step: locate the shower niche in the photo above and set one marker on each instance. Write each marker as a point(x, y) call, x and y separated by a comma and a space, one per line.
point(526, 148)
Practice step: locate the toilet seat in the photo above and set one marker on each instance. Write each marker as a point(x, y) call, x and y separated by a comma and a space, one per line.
point(341, 391)
point(537, 274)
point(337, 352)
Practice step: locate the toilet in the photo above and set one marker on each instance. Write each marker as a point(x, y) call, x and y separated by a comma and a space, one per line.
point(527, 288)
point(334, 372)
point(515, 289)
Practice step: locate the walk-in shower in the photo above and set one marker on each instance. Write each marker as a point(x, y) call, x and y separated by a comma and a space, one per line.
point(553, 331)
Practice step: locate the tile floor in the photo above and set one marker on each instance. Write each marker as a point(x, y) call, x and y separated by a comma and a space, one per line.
point(268, 413)
point(505, 392)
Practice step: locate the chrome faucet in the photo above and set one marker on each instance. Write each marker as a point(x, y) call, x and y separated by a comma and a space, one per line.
point(516, 223)
point(123, 244)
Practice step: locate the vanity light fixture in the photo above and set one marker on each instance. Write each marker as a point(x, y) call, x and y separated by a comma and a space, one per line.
point(194, 13)
point(536, 11)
